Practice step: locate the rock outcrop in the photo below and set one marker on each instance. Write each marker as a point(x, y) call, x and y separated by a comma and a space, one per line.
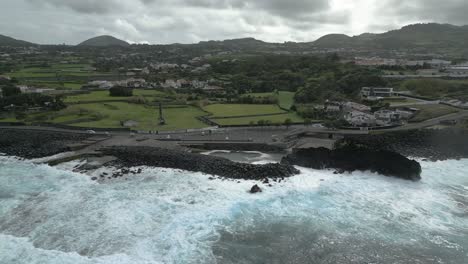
point(36, 144)
point(351, 159)
point(432, 144)
point(175, 159)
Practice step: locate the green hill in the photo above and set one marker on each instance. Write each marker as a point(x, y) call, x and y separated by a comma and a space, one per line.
point(8, 41)
point(104, 41)
point(430, 35)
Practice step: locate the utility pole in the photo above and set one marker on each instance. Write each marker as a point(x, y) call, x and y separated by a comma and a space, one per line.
point(162, 121)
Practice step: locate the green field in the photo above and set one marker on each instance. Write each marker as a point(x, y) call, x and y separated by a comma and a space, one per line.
point(285, 99)
point(226, 110)
point(55, 70)
point(54, 84)
point(111, 114)
point(104, 96)
point(273, 119)
point(427, 112)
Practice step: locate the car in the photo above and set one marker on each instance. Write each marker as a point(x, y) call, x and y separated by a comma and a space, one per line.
point(90, 131)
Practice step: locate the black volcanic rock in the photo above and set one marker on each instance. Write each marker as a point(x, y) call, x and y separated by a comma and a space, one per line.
point(36, 144)
point(255, 189)
point(351, 159)
point(175, 159)
point(431, 144)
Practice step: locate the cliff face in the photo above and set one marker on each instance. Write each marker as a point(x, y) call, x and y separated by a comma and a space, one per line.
point(351, 159)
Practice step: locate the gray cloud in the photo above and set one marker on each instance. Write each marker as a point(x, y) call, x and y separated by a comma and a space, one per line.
point(188, 21)
point(84, 6)
point(448, 11)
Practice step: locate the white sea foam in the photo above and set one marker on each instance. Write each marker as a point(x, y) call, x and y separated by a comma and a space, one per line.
point(52, 215)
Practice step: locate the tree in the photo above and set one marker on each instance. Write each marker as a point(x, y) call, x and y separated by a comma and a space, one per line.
point(120, 91)
point(10, 90)
point(288, 122)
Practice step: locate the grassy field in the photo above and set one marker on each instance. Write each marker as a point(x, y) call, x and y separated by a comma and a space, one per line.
point(111, 114)
point(104, 96)
point(427, 112)
point(274, 119)
point(222, 110)
point(285, 99)
point(55, 85)
point(54, 70)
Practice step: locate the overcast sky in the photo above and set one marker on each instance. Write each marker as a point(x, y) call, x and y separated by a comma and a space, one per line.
point(189, 21)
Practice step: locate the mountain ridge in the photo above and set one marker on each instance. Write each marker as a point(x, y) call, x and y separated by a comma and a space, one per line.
point(425, 35)
point(9, 41)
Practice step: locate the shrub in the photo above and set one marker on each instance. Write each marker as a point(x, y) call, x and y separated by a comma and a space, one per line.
point(120, 91)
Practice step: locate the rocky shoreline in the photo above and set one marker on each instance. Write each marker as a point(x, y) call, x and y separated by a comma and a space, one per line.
point(175, 159)
point(355, 158)
point(32, 144)
point(384, 153)
point(430, 144)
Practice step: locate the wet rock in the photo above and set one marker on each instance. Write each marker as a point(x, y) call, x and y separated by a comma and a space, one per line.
point(430, 144)
point(356, 158)
point(255, 189)
point(147, 156)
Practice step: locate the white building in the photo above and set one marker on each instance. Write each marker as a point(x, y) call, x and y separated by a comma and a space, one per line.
point(387, 117)
point(360, 119)
point(368, 92)
point(349, 106)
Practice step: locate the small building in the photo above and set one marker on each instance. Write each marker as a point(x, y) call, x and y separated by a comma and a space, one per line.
point(387, 117)
point(213, 89)
point(360, 119)
point(349, 106)
point(4, 78)
point(98, 85)
point(333, 107)
point(376, 92)
point(130, 123)
point(457, 70)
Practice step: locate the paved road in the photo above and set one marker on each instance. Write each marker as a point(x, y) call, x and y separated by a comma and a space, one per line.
point(431, 122)
point(257, 134)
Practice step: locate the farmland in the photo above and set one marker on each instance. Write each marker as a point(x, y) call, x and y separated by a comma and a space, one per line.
point(104, 96)
point(236, 110)
point(285, 99)
point(271, 119)
point(110, 115)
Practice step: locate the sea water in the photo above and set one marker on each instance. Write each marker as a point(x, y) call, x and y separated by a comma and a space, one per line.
point(53, 215)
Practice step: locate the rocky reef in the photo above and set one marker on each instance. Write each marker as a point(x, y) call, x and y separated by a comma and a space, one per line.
point(350, 159)
point(175, 159)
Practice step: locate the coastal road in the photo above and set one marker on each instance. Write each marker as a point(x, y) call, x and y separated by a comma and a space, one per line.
point(431, 122)
point(253, 134)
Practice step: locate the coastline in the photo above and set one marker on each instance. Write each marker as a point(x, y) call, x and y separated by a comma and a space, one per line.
point(126, 152)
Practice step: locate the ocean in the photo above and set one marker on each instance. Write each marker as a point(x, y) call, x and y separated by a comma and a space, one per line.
point(53, 215)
